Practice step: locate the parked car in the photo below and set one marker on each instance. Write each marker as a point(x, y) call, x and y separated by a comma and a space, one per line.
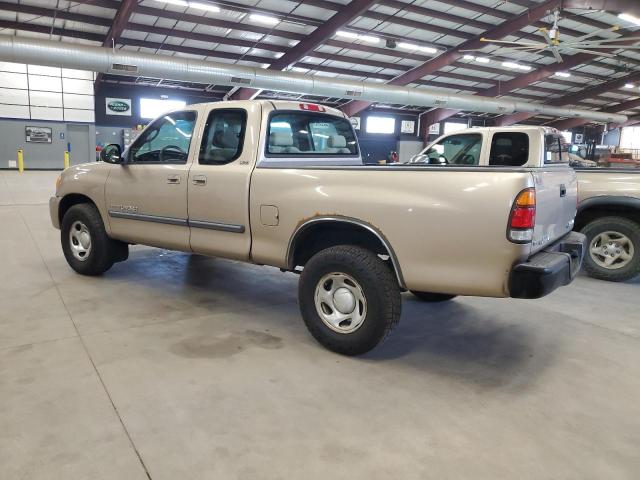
point(283, 184)
point(609, 215)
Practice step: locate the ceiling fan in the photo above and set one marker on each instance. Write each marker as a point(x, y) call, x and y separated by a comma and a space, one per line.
point(552, 43)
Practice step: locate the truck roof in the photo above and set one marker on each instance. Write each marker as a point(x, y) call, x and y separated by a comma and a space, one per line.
point(282, 105)
point(519, 128)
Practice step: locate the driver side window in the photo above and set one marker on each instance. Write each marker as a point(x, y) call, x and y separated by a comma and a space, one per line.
point(166, 140)
point(459, 150)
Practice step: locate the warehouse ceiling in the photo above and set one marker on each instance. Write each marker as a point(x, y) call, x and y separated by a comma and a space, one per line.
point(413, 43)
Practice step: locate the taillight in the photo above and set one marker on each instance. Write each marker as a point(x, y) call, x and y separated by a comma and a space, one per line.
point(311, 107)
point(522, 219)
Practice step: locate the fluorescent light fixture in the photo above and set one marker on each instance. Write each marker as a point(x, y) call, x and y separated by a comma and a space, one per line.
point(629, 85)
point(345, 34)
point(482, 60)
point(469, 57)
point(180, 3)
point(257, 17)
point(516, 66)
point(562, 74)
point(368, 38)
point(204, 6)
point(411, 46)
point(355, 36)
point(629, 18)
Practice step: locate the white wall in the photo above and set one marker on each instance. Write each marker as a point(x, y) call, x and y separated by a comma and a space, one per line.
point(34, 92)
point(630, 138)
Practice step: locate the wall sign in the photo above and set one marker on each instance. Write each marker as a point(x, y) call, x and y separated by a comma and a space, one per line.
point(434, 129)
point(407, 126)
point(118, 106)
point(355, 122)
point(579, 137)
point(38, 134)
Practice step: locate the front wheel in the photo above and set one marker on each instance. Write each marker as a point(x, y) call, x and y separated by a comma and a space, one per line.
point(614, 249)
point(349, 299)
point(432, 297)
point(85, 243)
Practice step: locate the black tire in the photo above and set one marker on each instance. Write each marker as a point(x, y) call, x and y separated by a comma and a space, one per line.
point(378, 284)
point(621, 225)
point(433, 297)
point(104, 251)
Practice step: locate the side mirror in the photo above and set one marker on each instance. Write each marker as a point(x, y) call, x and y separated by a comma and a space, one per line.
point(111, 154)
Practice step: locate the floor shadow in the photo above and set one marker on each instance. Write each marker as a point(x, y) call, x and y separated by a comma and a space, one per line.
point(478, 345)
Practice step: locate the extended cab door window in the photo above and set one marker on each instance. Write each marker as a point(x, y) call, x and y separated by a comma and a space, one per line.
point(509, 149)
point(458, 150)
point(166, 140)
point(223, 136)
point(556, 150)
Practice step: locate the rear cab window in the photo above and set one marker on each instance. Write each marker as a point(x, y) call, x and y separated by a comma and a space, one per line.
point(296, 134)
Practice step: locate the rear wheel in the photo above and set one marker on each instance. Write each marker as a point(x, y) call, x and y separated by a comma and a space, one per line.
point(613, 249)
point(85, 243)
point(433, 297)
point(349, 299)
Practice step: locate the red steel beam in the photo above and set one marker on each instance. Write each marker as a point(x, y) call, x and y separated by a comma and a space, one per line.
point(450, 56)
point(572, 99)
point(118, 25)
point(320, 35)
point(576, 122)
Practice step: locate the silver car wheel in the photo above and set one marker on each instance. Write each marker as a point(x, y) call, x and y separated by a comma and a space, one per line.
point(80, 241)
point(611, 250)
point(340, 302)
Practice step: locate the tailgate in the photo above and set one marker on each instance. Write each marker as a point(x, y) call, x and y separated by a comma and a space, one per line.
point(556, 203)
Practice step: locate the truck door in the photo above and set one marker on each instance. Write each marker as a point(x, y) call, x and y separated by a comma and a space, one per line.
point(147, 195)
point(219, 182)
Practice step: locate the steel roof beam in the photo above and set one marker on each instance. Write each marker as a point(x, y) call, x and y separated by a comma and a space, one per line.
point(573, 98)
point(450, 56)
point(576, 122)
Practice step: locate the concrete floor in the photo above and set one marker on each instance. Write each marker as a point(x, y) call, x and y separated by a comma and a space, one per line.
point(174, 366)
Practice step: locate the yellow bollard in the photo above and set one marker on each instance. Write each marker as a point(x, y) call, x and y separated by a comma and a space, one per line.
point(20, 161)
point(66, 159)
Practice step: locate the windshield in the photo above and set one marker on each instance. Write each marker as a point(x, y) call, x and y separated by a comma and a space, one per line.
point(458, 150)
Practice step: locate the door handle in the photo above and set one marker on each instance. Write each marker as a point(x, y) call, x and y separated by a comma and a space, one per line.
point(199, 180)
point(563, 191)
point(173, 179)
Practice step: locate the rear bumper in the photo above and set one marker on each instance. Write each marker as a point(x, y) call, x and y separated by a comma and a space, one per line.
point(53, 211)
point(555, 266)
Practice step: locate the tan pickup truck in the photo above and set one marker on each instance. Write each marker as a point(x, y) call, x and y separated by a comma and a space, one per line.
point(283, 184)
point(609, 215)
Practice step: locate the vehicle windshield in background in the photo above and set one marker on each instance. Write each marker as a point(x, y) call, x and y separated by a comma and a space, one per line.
point(603, 157)
point(457, 150)
point(295, 134)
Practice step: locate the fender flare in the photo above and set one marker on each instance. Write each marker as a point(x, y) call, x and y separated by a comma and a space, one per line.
point(609, 201)
point(349, 221)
